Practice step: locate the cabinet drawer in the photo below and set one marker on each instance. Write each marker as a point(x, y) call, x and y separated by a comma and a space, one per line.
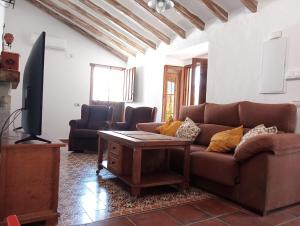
point(115, 148)
point(114, 164)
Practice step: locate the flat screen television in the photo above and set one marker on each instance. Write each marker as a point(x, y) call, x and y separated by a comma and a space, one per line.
point(32, 94)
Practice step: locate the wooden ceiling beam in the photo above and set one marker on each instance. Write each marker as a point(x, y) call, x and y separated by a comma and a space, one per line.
point(190, 16)
point(251, 5)
point(87, 26)
point(78, 29)
point(217, 10)
point(178, 30)
point(140, 21)
point(97, 9)
point(103, 25)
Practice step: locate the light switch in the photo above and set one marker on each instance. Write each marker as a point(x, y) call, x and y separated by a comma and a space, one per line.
point(297, 103)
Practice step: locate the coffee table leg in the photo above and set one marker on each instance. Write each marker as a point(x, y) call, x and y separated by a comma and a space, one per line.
point(101, 146)
point(186, 167)
point(136, 171)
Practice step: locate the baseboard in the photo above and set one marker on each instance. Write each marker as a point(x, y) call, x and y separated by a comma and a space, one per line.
point(66, 141)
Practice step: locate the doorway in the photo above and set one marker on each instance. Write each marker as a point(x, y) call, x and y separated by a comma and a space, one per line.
point(171, 91)
point(185, 85)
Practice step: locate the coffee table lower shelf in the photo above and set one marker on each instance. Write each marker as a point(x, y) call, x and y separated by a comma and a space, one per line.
point(150, 180)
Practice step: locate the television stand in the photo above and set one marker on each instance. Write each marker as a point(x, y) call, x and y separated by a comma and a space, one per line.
point(32, 137)
point(29, 181)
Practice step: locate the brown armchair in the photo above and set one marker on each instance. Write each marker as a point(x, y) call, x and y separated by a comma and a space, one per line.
point(83, 132)
point(133, 116)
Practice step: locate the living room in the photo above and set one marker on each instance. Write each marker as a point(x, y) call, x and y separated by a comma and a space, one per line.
point(249, 50)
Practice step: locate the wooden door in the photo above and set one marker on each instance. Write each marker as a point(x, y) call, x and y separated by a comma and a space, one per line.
point(171, 91)
point(199, 81)
point(194, 82)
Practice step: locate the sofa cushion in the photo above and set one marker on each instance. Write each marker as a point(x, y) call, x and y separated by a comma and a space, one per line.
point(283, 116)
point(216, 167)
point(85, 133)
point(96, 116)
point(207, 131)
point(195, 112)
point(188, 130)
point(226, 140)
point(222, 114)
point(176, 156)
point(169, 128)
point(257, 131)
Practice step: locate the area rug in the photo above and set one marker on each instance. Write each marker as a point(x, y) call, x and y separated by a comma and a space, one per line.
point(82, 190)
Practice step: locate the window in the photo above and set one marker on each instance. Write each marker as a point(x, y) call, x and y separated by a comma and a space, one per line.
point(111, 83)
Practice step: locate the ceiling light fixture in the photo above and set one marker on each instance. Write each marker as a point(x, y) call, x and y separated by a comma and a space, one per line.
point(8, 3)
point(161, 5)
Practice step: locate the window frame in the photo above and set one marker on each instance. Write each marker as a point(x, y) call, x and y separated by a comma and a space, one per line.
point(128, 82)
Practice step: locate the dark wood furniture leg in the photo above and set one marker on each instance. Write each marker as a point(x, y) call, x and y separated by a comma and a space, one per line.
point(136, 171)
point(186, 167)
point(101, 146)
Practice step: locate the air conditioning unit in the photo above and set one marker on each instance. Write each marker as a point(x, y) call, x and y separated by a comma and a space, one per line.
point(52, 42)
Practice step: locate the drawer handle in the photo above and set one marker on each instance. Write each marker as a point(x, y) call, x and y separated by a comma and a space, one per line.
point(113, 162)
point(114, 147)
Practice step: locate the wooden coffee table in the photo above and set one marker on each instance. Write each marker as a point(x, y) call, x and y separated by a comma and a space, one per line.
point(125, 149)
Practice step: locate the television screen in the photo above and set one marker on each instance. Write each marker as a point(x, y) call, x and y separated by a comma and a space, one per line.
point(32, 96)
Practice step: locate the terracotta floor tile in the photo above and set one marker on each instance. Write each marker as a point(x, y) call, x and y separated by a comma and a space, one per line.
point(122, 221)
point(295, 210)
point(243, 219)
point(93, 205)
point(98, 215)
point(154, 218)
point(76, 219)
point(214, 207)
point(292, 223)
point(277, 217)
point(186, 214)
point(215, 222)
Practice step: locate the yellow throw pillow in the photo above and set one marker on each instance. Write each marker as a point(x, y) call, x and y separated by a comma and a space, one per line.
point(169, 128)
point(226, 140)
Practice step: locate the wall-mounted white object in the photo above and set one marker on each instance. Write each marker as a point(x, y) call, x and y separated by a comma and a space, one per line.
point(52, 42)
point(293, 75)
point(275, 35)
point(273, 66)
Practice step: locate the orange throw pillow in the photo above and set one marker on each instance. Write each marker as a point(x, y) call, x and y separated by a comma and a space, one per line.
point(169, 128)
point(226, 140)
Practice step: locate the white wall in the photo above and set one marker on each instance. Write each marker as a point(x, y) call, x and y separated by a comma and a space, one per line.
point(150, 67)
point(235, 52)
point(2, 15)
point(67, 74)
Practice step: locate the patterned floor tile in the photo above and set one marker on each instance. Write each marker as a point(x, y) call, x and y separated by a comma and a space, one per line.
point(84, 195)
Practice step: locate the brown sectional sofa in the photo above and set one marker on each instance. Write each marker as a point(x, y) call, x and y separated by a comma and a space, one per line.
point(264, 175)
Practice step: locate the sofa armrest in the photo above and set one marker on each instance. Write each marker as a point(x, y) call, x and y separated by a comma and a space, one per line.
point(149, 127)
point(119, 126)
point(76, 124)
point(277, 144)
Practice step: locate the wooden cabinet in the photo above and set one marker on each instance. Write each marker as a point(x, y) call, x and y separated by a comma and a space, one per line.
point(114, 157)
point(29, 180)
point(126, 150)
